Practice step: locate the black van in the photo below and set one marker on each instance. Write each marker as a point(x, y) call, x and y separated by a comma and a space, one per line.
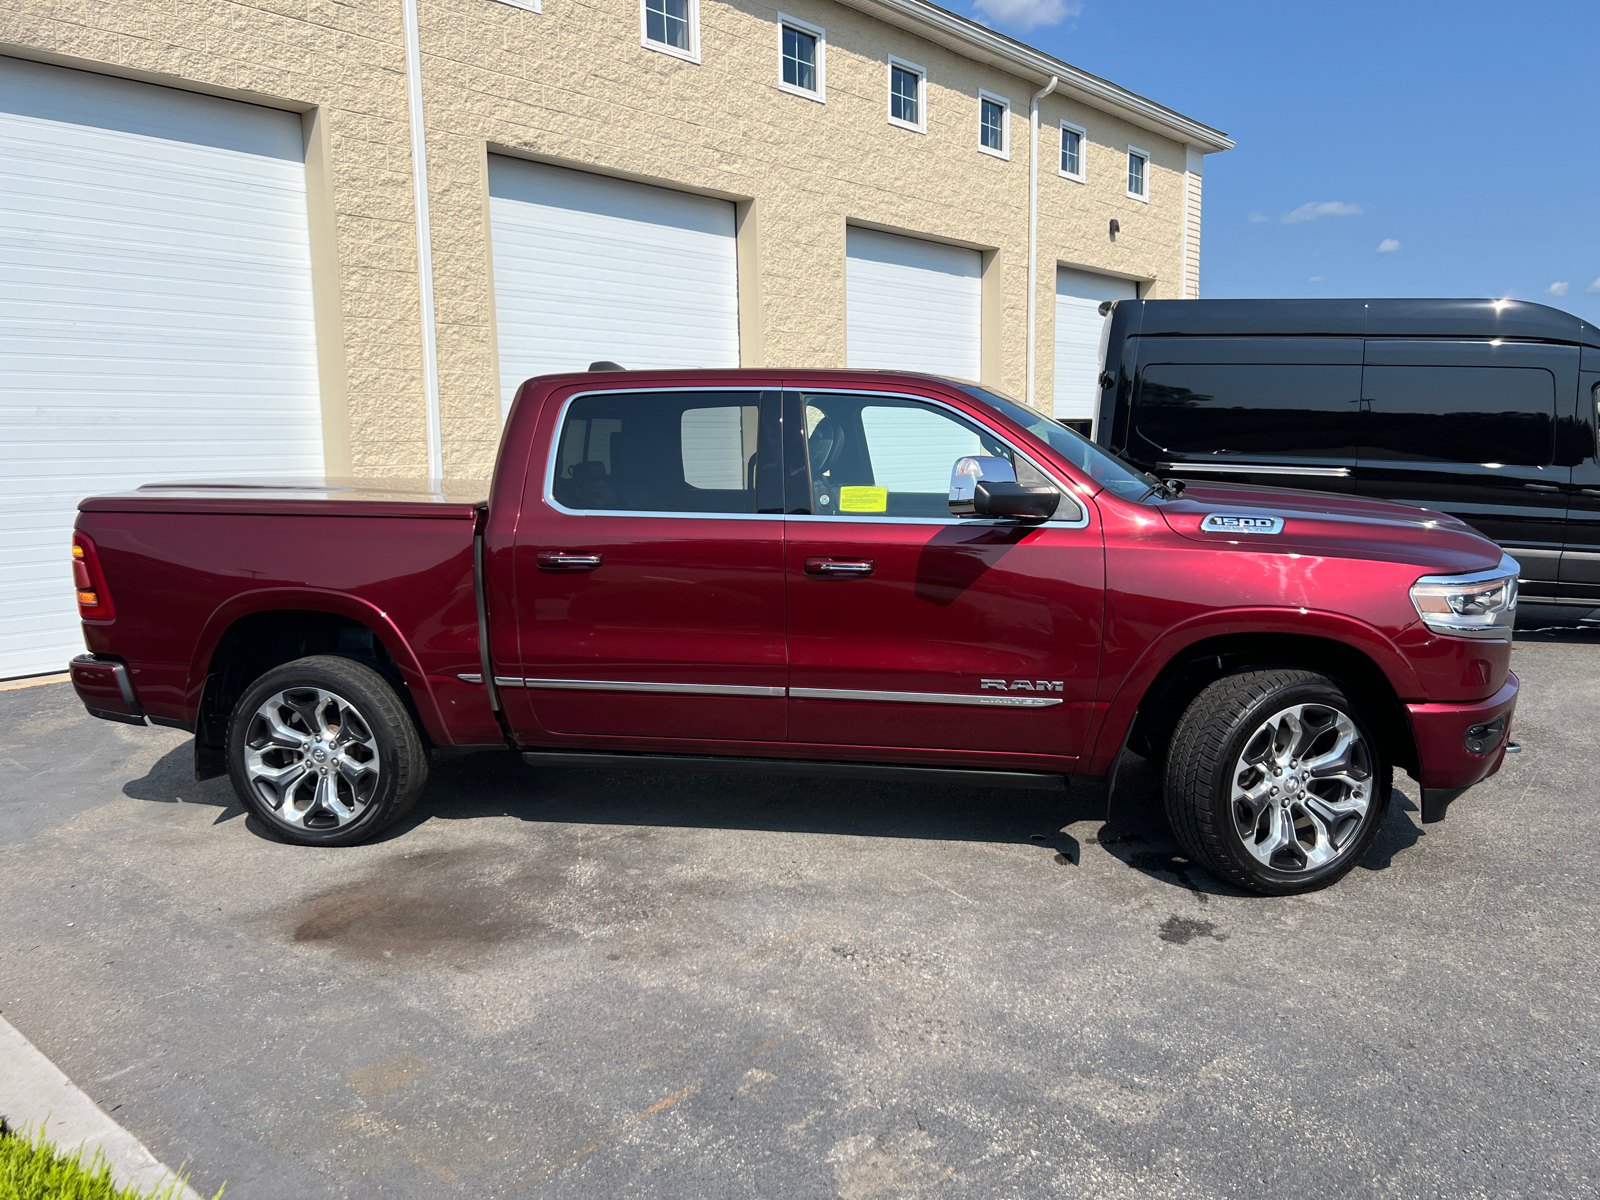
point(1485, 409)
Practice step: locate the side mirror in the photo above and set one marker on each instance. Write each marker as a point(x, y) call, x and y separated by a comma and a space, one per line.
point(984, 486)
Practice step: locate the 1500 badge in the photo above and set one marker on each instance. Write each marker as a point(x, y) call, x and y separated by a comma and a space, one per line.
point(1241, 523)
point(1022, 685)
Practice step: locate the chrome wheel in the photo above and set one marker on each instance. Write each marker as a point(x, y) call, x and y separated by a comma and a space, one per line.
point(1302, 788)
point(311, 758)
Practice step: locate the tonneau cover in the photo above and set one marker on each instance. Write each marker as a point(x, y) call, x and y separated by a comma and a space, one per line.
point(305, 495)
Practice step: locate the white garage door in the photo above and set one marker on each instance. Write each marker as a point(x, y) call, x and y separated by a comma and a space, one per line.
point(912, 305)
point(155, 315)
point(589, 268)
point(1078, 328)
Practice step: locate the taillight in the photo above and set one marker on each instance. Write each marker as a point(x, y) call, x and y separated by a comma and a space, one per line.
point(94, 601)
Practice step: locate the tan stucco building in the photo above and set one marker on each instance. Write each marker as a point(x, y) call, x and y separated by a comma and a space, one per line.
point(825, 183)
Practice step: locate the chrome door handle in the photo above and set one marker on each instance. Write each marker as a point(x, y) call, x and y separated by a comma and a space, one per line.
point(840, 568)
point(564, 560)
point(1541, 487)
point(1589, 491)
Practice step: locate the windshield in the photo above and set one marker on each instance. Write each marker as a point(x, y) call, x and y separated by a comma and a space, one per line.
point(1099, 464)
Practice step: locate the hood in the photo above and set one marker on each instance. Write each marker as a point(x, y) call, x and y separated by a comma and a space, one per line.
point(1330, 525)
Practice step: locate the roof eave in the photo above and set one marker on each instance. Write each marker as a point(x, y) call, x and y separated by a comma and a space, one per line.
point(972, 40)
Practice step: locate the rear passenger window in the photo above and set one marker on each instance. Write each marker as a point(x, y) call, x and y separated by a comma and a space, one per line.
point(689, 452)
point(1248, 409)
point(1460, 414)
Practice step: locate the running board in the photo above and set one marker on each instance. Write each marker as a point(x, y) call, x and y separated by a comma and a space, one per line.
point(972, 777)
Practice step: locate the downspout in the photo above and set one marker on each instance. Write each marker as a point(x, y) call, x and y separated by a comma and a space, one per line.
point(419, 194)
point(1033, 222)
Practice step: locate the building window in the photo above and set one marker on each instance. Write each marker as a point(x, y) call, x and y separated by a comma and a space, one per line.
point(1138, 174)
point(994, 126)
point(802, 48)
point(1072, 151)
point(673, 27)
point(530, 5)
point(907, 85)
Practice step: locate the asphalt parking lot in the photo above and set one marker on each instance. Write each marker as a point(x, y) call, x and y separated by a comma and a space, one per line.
point(576, 984)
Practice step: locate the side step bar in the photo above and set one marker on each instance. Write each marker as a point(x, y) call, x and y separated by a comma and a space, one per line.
point(971, 777)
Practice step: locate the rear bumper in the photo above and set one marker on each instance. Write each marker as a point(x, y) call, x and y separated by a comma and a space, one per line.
point(1448, 766)
point(104, 686)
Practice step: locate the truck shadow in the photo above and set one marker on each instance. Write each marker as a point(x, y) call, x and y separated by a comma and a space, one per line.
point(1131, 822)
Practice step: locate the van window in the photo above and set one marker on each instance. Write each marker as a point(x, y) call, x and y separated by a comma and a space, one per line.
point(1248, 409)
point(1460, 414)
point(659, 452)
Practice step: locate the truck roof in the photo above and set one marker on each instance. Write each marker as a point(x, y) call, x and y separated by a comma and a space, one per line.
point(1384, 317)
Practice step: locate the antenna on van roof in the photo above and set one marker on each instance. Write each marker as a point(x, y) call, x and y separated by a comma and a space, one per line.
point(605, 364)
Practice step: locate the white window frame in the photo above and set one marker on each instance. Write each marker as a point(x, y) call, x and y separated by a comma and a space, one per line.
point(1083, 153)
point(692, 54)
point(530, 5)
point(821, 34)
point(1145, 155)
point(1005, 125)
point(922, 94)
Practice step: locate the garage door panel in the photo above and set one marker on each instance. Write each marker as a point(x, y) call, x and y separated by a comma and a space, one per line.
point(587, 267)
point(1079, 325)
point(913, 305)
point(156, 316)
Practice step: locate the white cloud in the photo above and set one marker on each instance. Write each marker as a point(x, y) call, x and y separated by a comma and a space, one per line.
point(1257, 218)
point(1316, 279)
point(1594, 287)
point(1028, 14)
point(1388, 245)
point(1559, 288)
point(1326, 208)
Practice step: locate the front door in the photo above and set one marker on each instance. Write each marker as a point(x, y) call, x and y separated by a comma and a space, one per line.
point(649, 569)
point(910, 628)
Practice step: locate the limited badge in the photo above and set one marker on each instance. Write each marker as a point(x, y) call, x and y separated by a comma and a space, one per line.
point(863, 499)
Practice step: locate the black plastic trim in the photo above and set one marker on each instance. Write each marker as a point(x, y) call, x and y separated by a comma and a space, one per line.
point(173, 723)
point(105, 714)
point(973, 777)
point(1437, 801)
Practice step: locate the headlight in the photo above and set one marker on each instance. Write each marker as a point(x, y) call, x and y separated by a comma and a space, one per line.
point(1482, 605)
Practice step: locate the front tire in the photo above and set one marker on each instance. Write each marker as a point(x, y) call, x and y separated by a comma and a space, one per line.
point(324, 753)
point(1275, 782)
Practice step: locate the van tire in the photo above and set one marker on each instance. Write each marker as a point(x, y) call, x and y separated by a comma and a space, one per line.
point(359, 764)
point(1239, 800)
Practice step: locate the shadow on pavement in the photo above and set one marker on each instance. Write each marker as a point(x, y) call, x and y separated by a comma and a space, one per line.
point(1134, 828)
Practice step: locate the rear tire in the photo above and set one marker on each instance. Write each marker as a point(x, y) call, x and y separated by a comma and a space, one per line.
point(323, 752)
point(1275, 782)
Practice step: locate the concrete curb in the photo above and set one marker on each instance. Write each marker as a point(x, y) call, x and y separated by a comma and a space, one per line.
point(35, 1095)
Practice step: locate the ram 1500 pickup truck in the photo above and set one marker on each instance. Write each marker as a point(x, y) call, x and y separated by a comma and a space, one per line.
point(848, 573)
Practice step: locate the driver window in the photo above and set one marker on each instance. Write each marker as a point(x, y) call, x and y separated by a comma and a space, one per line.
point(880, 456)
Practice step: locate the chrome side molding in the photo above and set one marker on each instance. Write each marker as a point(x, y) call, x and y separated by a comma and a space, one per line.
point(974, 700)
point(1179, 468)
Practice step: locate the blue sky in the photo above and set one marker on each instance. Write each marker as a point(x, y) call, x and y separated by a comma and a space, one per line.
point(1466, 136)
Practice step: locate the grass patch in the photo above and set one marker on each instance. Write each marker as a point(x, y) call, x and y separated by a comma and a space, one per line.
point(31, 1168)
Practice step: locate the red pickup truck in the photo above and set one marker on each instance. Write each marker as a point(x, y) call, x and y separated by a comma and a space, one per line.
point(850, 573)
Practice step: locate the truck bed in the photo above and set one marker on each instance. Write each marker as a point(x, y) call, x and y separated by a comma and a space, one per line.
point(389, 554)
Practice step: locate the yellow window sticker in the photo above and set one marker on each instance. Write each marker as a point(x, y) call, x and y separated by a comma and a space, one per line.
point(863, 499)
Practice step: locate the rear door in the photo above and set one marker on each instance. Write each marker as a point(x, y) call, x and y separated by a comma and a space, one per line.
point(1468, 428)
point(909, 627)
point(1275, 411)
point(649, 569)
